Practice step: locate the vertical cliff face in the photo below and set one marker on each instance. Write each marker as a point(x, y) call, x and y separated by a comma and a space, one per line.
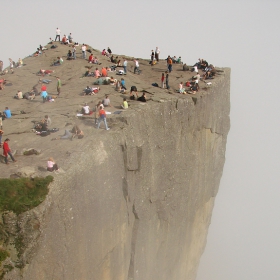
point(137, 202)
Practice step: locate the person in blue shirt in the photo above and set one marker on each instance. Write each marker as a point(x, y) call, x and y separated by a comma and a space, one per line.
point(7, 113)
point(123, 84)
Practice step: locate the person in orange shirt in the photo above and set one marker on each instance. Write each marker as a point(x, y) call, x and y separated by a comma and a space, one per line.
point(104, 72)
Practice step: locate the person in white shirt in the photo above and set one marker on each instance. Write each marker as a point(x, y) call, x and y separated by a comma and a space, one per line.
point(86, 109)
point(136, 66)
point(84, 49)
point(57, 34)
point(124, 66)
point(157, 52)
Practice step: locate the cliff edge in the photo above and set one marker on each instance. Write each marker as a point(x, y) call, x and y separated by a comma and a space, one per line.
point(134, 202)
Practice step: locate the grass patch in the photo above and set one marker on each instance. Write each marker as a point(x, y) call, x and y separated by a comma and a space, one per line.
point(3, 255)
point(20, 195)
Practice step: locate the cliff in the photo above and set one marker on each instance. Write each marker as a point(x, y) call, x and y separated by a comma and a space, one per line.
point(135, 203)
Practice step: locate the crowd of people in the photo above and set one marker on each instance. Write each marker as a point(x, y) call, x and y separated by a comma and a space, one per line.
point(103, 74)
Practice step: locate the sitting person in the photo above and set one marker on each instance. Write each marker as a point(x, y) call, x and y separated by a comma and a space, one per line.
point(125, 104)
point(20, 62)
point(64, 40)
point(69, 55)
point(210, 72)
point(2, 83)
point(194, 88)
point(133, 89)
point(97, 73)
point(142, 98)
point(18, 95)
point(112, 81)
point(90, 58)
point(88, 91)
point(51, 165)
point(58, 62)
point(106, 101)
point(86, 109)
point(95, 60)
point(7, 113)
point(104, 72)
point(181, 89)
point(123, 84)
point(104, 52)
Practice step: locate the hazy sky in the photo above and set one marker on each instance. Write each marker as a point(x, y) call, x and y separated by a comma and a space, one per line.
point(243, 241)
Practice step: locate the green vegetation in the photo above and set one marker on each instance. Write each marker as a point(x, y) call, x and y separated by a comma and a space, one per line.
point(20, 195)
point(3, 255)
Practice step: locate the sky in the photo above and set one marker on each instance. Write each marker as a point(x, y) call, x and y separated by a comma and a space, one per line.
point(243, 240)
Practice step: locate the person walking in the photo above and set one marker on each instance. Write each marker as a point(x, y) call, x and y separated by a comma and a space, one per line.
point(102, 118)
point(57, 32)
point(58, 88)
point(7, 151)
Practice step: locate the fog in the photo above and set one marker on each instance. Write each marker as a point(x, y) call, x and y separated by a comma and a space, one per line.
point(243, 240)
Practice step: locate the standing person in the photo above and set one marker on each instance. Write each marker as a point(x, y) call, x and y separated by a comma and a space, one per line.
point(11, 64)
point(152, 56)
point(109, 51)
point(102, 118)
point(70, 38)
point(136, 66)
point(57, 32)
point(58, 88)
point(74, 52)
point(1, 120)
point(124, 66)
point(157, 52)
point(169, 64)
point(167, 80)
point(7, 151)
point(1, 65)
point(1, 133)
point(84, 48)
point(97, 107)
point(51, 165)
point(44, 93)
point(162, 80)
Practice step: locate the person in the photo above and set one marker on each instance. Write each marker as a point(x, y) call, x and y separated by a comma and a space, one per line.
point(2, 83)
point(90, 58)
point(97, 106)
point(86, 109)
point(58, 87)
point(70, 38)
point(47, 120)
point(1, 120)
point(169, 64)
point(88, 91)
point(124, 66)
point(74, 52)
point(69, 55)
point(1, 65)
point(20, 63)
point(162, 80)
point(11, 65)
point(125, 104)
point(58, 62)
point(194, 88)
point(106, 101)
point(7, 113)
point(44, 95)
point(157, 52)
point(76, 131)
point(57, 32)
point(84, 48)
point(181, 89)
point(45, 72)
point(29, 95)
point(132, 90)
point(152, 56)
point(102, 118)
point(136, 66)
point(7, 151)
point(51, 165)
point(142, 98)
point(123, 84)
point(167, 80)
point(109, 51)
point(97, 73)
point(1, 134)
point(18, 95)
point(104, 72)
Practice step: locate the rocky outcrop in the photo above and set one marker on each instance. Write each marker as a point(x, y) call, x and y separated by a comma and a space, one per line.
point(136, 202)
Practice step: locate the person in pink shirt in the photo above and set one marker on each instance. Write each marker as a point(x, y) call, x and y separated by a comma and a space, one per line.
point(97, 73)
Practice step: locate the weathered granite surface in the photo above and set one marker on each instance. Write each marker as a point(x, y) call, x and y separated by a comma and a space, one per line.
point(136, 203)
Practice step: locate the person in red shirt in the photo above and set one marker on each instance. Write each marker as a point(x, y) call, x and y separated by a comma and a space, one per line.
point(90, 59)
point(7, 151)
point(104, 72)
point(102, 118)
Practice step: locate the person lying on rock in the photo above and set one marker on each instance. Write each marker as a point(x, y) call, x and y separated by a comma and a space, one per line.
point(142, 98)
